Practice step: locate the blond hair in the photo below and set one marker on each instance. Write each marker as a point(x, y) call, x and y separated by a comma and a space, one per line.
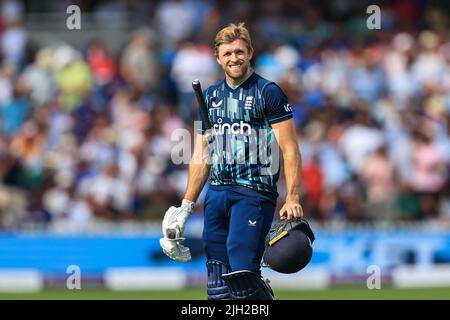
point(231, 33)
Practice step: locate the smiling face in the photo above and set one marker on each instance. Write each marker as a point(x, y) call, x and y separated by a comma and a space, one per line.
point(234, 58)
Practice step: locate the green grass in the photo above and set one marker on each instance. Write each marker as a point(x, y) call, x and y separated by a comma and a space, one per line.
point(343, 293)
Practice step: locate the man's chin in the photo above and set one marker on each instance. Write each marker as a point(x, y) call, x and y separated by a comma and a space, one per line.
point(236, 76)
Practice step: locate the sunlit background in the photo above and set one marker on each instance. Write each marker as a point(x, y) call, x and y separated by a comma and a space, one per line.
point(87, 117)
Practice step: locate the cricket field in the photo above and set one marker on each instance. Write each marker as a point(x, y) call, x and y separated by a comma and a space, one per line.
point(332, 293)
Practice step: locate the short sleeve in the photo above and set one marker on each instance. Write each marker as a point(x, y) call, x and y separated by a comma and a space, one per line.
point(276, 104)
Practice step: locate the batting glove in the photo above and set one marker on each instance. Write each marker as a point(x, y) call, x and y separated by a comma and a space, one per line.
point(173, 229)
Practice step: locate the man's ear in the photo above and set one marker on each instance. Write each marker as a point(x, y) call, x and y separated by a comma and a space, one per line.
point(250, 53)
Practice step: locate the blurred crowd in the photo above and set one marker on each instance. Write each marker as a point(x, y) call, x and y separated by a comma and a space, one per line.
point(86, 133)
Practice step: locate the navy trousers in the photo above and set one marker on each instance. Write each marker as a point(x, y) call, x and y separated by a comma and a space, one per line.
point(236, 222)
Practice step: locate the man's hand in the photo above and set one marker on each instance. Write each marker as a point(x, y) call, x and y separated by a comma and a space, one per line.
point(291, 209)
point(173, 229)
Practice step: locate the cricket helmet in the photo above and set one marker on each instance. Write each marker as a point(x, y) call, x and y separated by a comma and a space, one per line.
point(288, 246)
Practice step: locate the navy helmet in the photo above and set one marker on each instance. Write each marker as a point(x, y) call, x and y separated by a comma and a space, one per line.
point(288, 246)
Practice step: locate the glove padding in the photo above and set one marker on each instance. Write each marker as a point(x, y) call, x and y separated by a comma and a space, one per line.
point(174, 250)
point(281, 229)
point(173, 229)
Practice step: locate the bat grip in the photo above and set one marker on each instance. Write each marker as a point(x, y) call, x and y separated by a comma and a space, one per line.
point(201, 103)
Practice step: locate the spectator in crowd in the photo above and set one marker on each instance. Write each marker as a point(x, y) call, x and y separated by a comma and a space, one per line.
point(379, 176)
point(73, 77)
point(139, 65)
point(14, 37)
point(37, 78)
point(192, 62)
point(429, 173)
point(181, 11)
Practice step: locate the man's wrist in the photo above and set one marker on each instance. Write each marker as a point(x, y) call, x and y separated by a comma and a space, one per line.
point(293, 197)
point(188, 204)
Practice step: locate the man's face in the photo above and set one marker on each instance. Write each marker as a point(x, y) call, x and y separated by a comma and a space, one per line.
point(234, 57)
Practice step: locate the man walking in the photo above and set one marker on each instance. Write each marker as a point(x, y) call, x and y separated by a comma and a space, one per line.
point(251, 120)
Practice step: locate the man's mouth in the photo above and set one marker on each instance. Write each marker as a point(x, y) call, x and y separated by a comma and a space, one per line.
point(235, 66)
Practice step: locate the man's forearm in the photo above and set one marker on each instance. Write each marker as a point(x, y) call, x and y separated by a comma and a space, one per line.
point(199, 169)
point(292, 172)
point(198, 174)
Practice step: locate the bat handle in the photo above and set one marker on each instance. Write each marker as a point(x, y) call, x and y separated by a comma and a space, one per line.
point(196, 85)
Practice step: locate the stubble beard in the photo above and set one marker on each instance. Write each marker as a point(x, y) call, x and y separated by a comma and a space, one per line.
point(238, 77)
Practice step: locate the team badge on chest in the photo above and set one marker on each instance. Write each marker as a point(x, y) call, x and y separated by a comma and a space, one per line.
point(248, 103)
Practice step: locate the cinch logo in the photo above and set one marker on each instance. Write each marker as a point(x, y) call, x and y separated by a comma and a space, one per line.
point(231, 128)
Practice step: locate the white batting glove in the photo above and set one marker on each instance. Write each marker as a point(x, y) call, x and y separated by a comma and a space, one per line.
point(173, 229)
point(174, 250)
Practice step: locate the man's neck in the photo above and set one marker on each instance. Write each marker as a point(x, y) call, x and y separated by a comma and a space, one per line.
point(236, 83)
